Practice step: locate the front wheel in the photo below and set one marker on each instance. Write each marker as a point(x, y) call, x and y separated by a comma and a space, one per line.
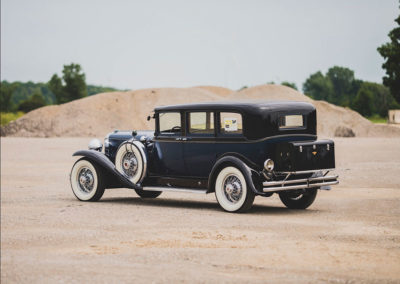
point(298, 200)
point(87, 183)
point(232, 192)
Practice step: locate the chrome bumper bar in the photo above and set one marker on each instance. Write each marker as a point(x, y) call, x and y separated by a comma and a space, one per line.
point(273, 186)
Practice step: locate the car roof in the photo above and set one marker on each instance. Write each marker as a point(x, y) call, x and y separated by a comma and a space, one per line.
point(241, 106)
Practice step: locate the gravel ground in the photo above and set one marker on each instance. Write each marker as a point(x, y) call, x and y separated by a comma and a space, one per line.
point(350, 234)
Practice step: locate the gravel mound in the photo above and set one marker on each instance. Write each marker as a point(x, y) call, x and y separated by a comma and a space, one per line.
point(100, 114)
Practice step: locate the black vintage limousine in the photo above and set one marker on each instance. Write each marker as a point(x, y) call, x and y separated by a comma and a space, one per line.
point(236, 149)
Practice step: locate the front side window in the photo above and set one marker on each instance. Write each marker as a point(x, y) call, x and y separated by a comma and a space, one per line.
point(291, 121)
point(231, 123)
point(201, 122)
point(170, 122)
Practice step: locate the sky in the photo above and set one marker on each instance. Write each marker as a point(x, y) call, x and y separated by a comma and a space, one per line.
point(147, 44)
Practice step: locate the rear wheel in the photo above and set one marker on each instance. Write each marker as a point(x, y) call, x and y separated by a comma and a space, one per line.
point(297, 199)
point(87, 182)
point(232, 192)
point(147, 193)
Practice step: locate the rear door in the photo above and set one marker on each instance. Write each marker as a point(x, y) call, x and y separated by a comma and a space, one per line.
point(199, 143)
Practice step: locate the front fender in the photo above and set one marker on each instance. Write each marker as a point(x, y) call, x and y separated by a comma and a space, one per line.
point(241, 165)
point(102, 160)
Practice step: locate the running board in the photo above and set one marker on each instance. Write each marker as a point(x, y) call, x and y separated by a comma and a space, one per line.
point(175, 189)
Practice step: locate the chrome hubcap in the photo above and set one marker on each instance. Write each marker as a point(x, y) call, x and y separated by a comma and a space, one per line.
point(233, 189)
point(85, 180)
point(129, 164)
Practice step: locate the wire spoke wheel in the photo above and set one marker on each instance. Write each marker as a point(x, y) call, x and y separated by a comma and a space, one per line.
point(233, 188)
point(85, 180)
point(129, 164)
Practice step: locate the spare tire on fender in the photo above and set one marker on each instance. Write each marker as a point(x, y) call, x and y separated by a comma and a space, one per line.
point(131, 161)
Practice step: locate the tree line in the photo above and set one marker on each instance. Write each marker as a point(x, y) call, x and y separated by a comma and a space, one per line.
point(340, 87)
point(20, 96)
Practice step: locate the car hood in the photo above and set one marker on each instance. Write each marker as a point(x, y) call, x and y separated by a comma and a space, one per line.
point(126, 135)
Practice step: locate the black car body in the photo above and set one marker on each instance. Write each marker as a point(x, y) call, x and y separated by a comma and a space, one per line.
point(273, 145)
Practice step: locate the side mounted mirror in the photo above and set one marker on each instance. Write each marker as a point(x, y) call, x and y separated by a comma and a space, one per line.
point(134, 133)
point(148, 118)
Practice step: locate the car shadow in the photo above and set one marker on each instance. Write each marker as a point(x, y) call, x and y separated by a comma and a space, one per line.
point(277, 210)
point(161, 202)
point(202, 205)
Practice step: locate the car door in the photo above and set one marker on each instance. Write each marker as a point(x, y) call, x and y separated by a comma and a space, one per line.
point(199, 143)
point(168, 158)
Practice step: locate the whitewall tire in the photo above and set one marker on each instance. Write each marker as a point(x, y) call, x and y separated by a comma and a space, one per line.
point(87, 183)
point(231, 190)
point(129, 162)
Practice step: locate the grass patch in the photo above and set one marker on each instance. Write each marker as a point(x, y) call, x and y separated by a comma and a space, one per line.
point(6, 117)
point(377, 119)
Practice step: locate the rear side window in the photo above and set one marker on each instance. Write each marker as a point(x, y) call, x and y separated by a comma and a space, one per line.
point(201, 122)
point(291, 121)
point(231, 123)
point(170, 122)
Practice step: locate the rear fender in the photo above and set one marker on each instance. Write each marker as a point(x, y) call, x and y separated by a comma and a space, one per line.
point(249, 173)
point(109, 168)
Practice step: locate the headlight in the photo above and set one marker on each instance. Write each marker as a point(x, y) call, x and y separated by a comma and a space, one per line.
point(269, 165)
point(106, 142)
point(95, 144)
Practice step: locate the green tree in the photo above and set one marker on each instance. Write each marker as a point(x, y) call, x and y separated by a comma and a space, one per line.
point(363, 102)
point(56, 87)
point(391, 53)
point(6, 92)
point(289, 84)
point(318, 87)
point(71, 87)
point(23, 91)
point(382, 99)
point(342, 79)
point(75, 85)
point(34, 102)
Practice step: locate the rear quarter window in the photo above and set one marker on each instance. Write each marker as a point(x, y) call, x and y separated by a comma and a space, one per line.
point(291, 121)
point(231, 123)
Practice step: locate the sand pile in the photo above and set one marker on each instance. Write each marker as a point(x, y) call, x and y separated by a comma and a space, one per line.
point(100, 114)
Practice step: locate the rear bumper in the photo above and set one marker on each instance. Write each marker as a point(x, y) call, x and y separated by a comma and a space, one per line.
point(304, 183)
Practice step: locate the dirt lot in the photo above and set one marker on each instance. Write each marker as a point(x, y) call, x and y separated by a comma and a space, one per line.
point(350, 234)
